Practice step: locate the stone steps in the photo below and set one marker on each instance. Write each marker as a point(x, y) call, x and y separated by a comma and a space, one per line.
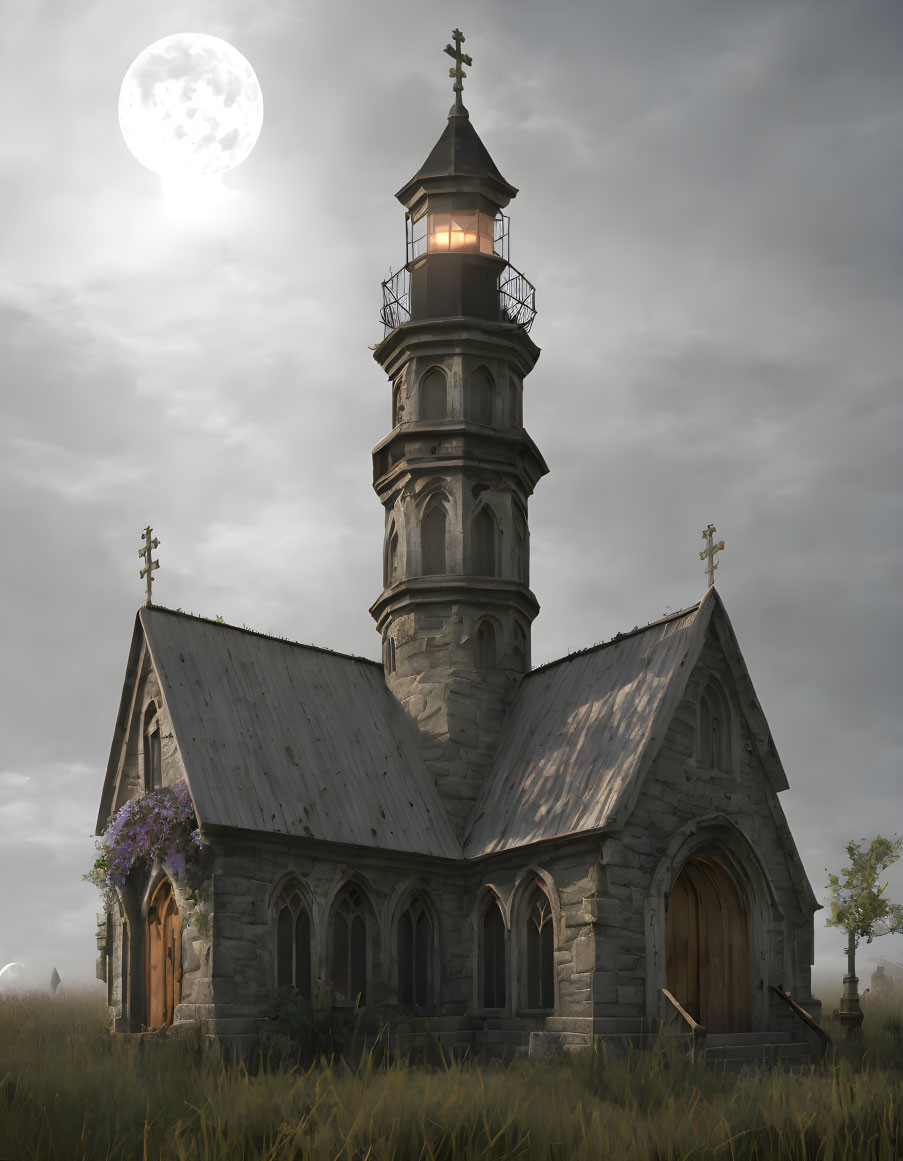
point(748, 1051)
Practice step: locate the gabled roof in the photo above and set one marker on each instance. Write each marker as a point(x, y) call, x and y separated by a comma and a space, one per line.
point(584, 730)
point(290, 739)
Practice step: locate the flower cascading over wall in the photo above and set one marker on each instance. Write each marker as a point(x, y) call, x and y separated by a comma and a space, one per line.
point(159, 825)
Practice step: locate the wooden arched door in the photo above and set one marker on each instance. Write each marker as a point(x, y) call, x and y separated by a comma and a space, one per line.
point(164, 957)
point(708, 947)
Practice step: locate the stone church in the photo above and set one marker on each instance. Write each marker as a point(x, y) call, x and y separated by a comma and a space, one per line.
point(518, 856)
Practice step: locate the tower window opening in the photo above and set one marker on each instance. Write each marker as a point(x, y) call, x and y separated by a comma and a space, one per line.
point(484, 543)
point(432, 540)
point(397, 405)
point(521, 546)
point(391, 557)
point(485, 651)
point(434, 395)
point(479, 401)
point(389, 655)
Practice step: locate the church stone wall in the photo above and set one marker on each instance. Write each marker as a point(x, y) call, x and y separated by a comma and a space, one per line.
point(249, 875)
point(677, 795)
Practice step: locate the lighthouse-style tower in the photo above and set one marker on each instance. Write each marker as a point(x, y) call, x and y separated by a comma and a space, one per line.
point(457, 469)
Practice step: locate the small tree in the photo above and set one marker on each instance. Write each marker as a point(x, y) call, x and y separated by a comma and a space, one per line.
point(859, 908)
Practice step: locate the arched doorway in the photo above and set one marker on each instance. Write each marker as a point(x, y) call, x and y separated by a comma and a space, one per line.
point(164, 957)
point(707, 936)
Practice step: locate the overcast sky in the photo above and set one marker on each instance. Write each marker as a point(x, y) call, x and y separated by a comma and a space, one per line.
point(710, 209)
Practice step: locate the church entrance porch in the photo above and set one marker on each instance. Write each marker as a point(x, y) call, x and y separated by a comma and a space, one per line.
point(707, 938)
point(163, 949)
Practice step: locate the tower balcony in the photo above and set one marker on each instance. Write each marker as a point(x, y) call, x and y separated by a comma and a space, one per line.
point(516, 296)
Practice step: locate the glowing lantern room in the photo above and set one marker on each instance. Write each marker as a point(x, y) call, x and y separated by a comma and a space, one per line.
point(456, 255)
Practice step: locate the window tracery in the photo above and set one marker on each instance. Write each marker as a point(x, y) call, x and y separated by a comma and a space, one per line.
point(414, 947)
point(349, 947)
point(293, 945)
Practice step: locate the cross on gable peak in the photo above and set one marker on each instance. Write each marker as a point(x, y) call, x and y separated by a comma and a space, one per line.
point(708, 553)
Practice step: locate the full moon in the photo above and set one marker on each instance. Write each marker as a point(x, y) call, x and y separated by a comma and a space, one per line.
point(189, 105)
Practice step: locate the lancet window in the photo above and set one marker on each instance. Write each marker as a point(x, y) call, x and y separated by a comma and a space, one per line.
point(714, 726)
point(485, 652)
point(415, 937)
point(434, 395)
point(391, 568)
point(484, 543)
point(349, 947)
point(540, 945)
point(521, 546)
point(432, 538)
point(153, 759)
point(479, 400)
point(493, 935)
point(293, 944)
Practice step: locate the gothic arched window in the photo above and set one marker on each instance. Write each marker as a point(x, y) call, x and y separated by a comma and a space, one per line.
point(493, 936)
point(293, 944)
point(397, 405)
point(485, 655)
point(153, 760)
point(519, 652)
point(714, 725)
point(415, 937)
point(389, 655)
point(433, 395)
point(349, 947)
point(521, 546)
point(479, 396)
point(432, 539)
point(483, 540)
point(540, 952)
point(514, 403)
point(391, 569)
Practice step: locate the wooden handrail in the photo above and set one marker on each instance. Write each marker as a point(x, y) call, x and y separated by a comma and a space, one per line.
point(800, 1011)
point(696, 1029)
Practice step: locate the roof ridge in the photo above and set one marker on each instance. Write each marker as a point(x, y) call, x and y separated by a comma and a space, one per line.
point(634, 632)
point(257, 633)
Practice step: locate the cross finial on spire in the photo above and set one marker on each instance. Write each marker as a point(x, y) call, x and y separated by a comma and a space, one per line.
point(709, 553)
point(149, 564)
point(457, 72)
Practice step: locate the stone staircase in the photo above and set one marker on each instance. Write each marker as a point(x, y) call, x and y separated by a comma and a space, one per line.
point(747, 1051)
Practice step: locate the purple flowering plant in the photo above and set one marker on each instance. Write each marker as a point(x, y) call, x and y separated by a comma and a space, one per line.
point(159, 825)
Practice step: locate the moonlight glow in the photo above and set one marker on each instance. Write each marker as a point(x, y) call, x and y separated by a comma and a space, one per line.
point(190, 104)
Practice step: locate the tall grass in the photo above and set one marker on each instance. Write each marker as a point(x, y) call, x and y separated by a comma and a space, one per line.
point(69, 1091)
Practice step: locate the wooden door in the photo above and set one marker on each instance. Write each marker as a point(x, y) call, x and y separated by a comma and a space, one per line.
point(708, 947)
point(164, 957)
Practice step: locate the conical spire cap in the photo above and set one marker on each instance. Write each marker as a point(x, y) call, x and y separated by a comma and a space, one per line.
point(458, 161)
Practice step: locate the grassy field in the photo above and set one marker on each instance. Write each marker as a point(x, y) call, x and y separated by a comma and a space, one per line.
point(69, 1091)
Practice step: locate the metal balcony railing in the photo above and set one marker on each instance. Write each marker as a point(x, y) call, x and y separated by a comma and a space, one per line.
point(517, 299)
point(396, 300)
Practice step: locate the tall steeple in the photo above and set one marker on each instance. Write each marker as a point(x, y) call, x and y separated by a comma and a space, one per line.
point(457, 469)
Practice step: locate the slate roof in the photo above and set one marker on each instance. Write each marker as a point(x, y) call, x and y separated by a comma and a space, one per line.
point(292, 740)
point(584, 730)
point(459, 152)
